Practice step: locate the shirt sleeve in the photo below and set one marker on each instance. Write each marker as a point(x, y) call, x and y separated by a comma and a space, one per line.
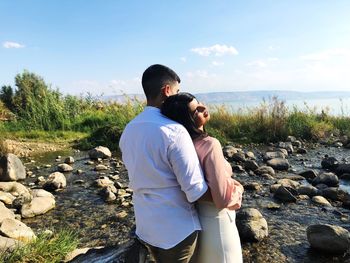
point(185, 164)
point(226, 192)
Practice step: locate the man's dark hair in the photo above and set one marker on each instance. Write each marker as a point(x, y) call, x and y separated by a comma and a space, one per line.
point(177, 108)
point(155, 77)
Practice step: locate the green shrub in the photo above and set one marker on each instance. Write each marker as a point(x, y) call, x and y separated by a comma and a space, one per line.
point(44, 248)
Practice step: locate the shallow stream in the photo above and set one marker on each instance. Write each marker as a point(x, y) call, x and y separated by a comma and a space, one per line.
point(81, 208)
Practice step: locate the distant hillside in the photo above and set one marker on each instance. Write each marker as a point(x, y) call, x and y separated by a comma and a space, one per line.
point(222, 97)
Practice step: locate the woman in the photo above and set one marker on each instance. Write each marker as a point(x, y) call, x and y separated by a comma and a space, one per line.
point(219, 240)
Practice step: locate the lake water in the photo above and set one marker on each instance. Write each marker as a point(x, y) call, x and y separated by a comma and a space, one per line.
point(333, 106)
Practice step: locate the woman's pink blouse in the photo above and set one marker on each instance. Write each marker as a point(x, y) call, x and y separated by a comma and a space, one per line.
point(226, 192)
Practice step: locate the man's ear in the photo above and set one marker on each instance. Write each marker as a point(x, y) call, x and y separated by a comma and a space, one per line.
point(166, 90)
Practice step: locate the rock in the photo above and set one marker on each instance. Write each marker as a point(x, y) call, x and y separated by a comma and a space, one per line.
point(301, 151)
point(55, 181)
point(320, 200)
point(288, 183)
point(278, 164)
point(6, 198)
point(252, 226)
point(38, 206)
point(100, 152)
point(272, 155)
point(291, 138)
point(251, 165)
point(63, 167)
point(228, 151)
point(237, 168)
point(265, 170)
point(79, 171)
point(286, 145)
point(17, 190)
point(333, 193)
point(328, 238)
point(330, 163)
point(238, 157)
point(343, 168)
point(308, 190)
point(273, 206)
point(309, 174)
point(252, 186)
point(69, 160)
point(329, 179)
point(42, 193)
point(103, 182)
point(108, 193)
point(8, 244)
point(250, 155)
point(15, 229)
point(284, 151)
point(101, 167)
point(285, 194)
point(11, 168)
point(5, 213)
point(297, 144)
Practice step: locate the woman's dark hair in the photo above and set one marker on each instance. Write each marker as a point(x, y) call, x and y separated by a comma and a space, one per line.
point(176, 108)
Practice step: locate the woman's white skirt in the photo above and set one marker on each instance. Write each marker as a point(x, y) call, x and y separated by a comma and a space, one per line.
point(219, 240)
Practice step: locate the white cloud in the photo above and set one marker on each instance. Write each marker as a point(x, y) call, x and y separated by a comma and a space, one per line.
point(257, 63)
point(273, 48)
point(217, 50)
point(9, 44)
point(327, 54)
point(217, 63)
point(183, 59)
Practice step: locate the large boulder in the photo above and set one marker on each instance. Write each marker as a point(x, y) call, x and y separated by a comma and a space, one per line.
point(100, 152)
point(252, 226)
point(278, 164)
point(5, 213)
point(17, 190)
point(329, 179)
point(11, 168)
point(55, 181)
point(328, 238)
point(15, 229)
point(38, 206)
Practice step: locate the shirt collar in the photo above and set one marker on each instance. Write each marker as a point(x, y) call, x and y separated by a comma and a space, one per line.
point(151, 108)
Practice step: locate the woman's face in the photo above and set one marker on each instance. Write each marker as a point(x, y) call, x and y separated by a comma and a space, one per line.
point(199, 112)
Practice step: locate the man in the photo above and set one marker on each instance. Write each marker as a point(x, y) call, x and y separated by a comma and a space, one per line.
point(164, 173)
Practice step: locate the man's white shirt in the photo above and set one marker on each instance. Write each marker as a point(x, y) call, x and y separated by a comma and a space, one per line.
point(165, 176)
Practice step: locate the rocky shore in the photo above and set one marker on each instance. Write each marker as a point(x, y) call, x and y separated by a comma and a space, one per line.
point(295, 208)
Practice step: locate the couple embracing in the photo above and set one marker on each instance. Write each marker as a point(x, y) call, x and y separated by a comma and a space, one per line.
point(183, 194)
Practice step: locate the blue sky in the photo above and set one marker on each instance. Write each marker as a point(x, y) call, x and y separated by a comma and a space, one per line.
point(103, 46)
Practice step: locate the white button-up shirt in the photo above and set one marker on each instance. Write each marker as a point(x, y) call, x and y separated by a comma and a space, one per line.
point(165, 176)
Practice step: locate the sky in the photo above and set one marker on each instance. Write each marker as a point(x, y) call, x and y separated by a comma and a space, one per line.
point(102, 47)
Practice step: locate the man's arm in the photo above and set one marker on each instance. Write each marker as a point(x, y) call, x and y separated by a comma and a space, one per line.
point(184, 160)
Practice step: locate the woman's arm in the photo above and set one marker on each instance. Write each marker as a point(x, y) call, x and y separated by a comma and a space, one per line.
point(226, 192)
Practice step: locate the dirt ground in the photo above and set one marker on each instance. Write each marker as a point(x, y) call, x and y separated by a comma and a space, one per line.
point(28, 148)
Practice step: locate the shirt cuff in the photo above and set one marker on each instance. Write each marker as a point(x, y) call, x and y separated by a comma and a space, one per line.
point(196, 192)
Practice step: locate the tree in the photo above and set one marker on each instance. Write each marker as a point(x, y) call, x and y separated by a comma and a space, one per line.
point(6, 96)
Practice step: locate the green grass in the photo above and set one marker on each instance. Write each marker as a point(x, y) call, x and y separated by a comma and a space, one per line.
point(44, 248)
